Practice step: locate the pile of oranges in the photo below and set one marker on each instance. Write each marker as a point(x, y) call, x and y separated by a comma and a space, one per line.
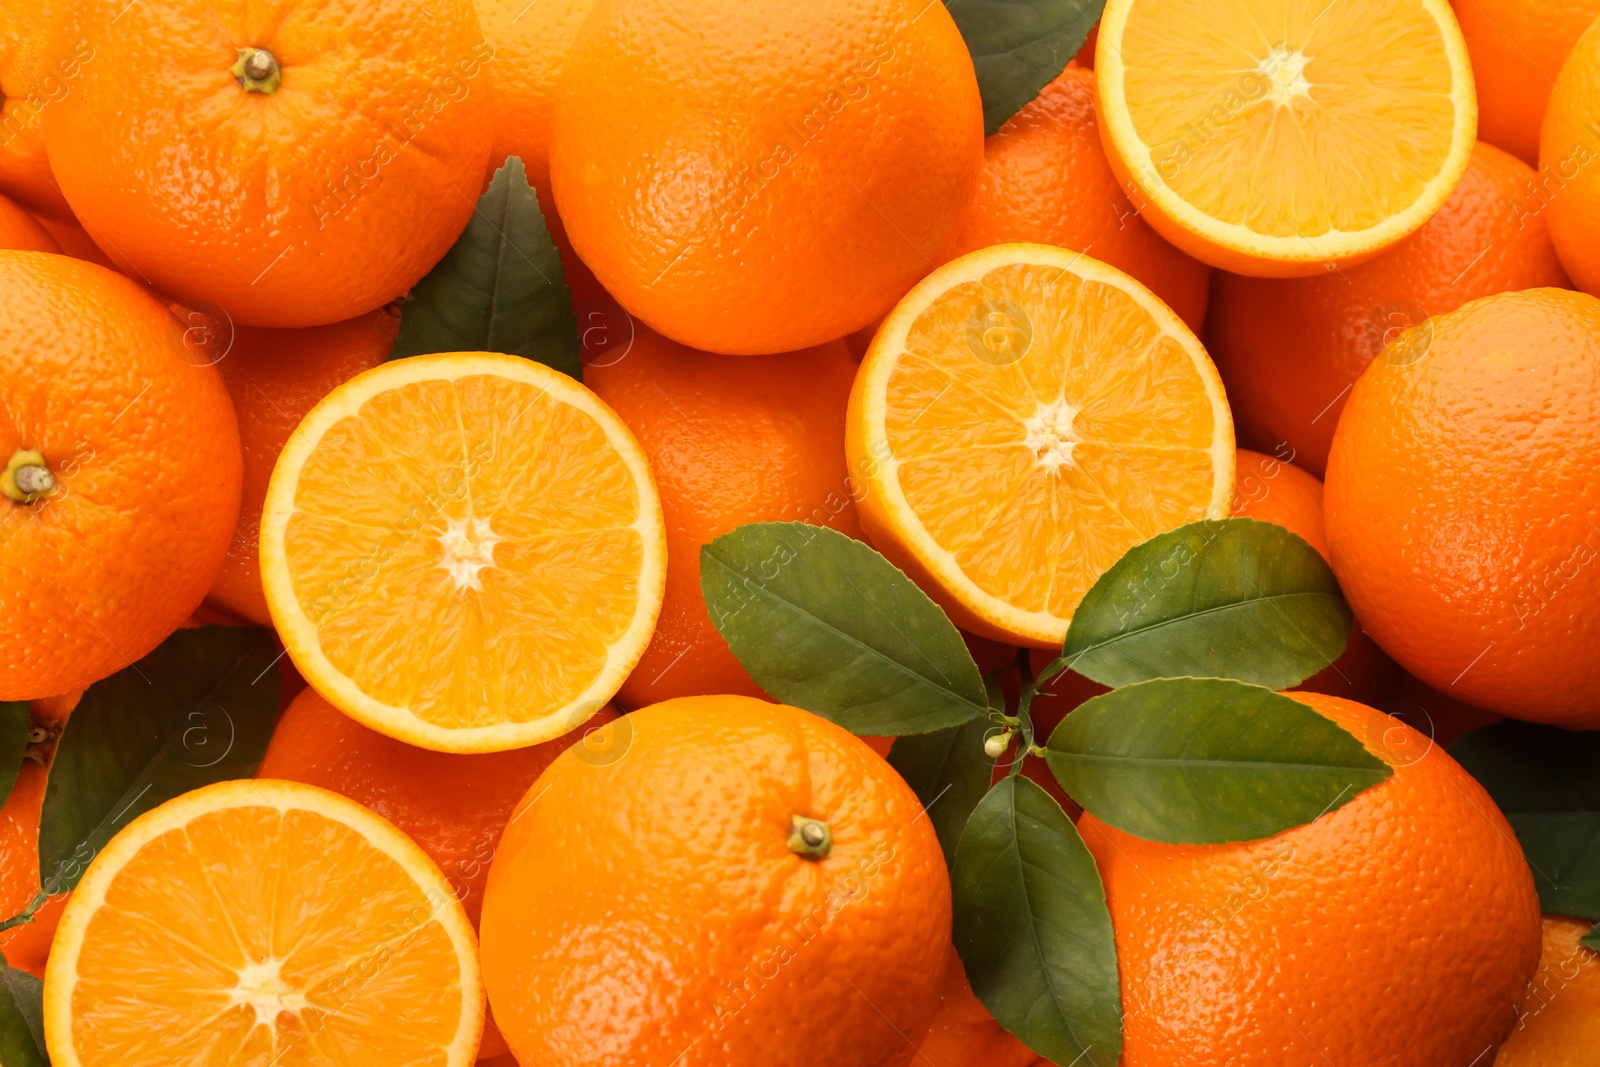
point(1003, 298)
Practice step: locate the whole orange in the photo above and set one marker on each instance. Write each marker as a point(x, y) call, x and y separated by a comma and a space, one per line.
point(288, 168)
point(132, 449)
point(1400, 928)
point(1462, 498)
point(275, 377)
point(1517, 48)
point(1271, 490)
point(964, 1034)
point(1569, 159)
point(32, 79)
point(1288, 350)
point(728, 882)
point(730, 441)
point(754, 176)
point(20, 230)
point(1559, 1022)
point(1046, 179)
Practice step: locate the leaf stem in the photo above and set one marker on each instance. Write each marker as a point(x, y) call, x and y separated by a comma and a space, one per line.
point(26, 915)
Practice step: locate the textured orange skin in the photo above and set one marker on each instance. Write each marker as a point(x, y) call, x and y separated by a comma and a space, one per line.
point(274, 378)
point(1046, 179)
point(1288, 350)
point(310, 205)
point(730, 441)
point(1273, 491)
point(1399, 930)
point(649, 911)
point(1560, 1018)
point(73, 240)
point(1517, 48)
point(32, 80)
point(145, 449)
point(964, 1034)
point(1569, 158)
point(762, 177)
point(1461, 502)
point(20, 230)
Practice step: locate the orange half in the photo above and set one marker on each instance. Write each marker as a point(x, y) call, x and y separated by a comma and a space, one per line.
point(1283, 138)
point(464, 551)
point(1025, 416)
point(262, 924)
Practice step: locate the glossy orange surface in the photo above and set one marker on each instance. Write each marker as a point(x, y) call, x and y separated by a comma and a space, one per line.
point(760, 177)
point(964, 1034)
point(1461, 501)
point(309, 204)
point(1569, 159)
point(645, 907)
point(32, 80)
point(1400, 928)
point(140, 436)
point(1559, 1022)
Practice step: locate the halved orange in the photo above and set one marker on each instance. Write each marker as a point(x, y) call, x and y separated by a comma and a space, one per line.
point(1283, 138)
point(262, 922)
point(463, 551)
point(1024, 416)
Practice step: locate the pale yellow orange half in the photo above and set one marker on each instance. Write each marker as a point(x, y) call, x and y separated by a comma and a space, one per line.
point(1023, 417)
point(464, 551)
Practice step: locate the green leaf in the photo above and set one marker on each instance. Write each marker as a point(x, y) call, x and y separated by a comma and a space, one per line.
point(1234, 598)
point(14, 726)
point(1020, 46)
point(949, 773)
point(1547, 782)
point(21, 1019)
point(500, 288)
point(1206, 760)
point(1033, 928)
point(823, 622)
point(197, 710)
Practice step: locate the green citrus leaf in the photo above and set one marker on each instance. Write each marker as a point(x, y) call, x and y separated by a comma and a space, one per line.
point(500, 288)
point(1547, 782)
point(1033, 929)
point(21, 1019)
point(1234, 598)
point(1020, 46)
point(949, 773)
point(1206, 760)
point(197, 710)
point(13, 744)
point(823, 622)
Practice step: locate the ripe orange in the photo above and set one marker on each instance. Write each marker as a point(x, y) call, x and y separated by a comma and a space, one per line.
point(1569, 157)
point(1341, 941)
point(137, 452)
point(1024, 417)
point(846, 143)
point(1289, 350)
point(22, 231)
point(1461, 504)
point(1274, 491)
point(274, 378)
point(1517, 48)
point(259, 921)
point(32, 79)
point(1280, 138)
point(732, 882)
point(1559, 1022)
point(464, 551)
point(323, 161)
point(964, 1034)
point(731, 440)
point(75, 241)
point(1046, 180)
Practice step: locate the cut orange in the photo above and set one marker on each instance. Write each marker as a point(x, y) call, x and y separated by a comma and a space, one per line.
point(262, 923)
point(463, 551)
point(1283, 138)
point(1025, 416)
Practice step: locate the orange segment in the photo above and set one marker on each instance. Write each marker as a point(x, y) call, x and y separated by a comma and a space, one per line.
point(1023, 418)
point(463, 551)
point(258, 923)
point(1282, 137)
